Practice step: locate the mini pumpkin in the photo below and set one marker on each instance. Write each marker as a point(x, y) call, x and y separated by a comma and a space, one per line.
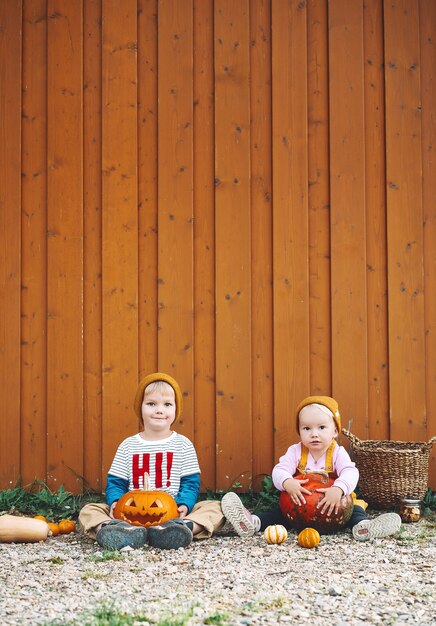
point(276, 533)
point(308, 538)
point(54, 528)
point(304, 515)
point(66, 526)
point(142, 507)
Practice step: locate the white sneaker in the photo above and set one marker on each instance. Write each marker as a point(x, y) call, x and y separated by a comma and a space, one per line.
point(237, 515)
point(382, 526)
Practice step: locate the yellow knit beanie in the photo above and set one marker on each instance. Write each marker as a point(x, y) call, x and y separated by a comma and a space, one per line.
point(152, 378)
point(326, 401)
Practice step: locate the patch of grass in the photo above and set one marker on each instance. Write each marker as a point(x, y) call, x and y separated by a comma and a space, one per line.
point(56, 560)
point(106, 555)
point(38, 499)
point(217, 618)
point(267, 498)
point(108, 615)
point(429, 502)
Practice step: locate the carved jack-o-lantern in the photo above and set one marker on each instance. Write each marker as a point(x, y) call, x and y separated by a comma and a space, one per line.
point(146, 508)
point(307, 514)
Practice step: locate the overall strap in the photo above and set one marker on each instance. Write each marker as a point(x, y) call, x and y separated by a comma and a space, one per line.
point(328, 458)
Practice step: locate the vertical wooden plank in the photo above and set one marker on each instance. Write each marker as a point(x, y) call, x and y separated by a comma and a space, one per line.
point(427, 23)
point(319, 197)
point(119, 223)
point(10, 238)
point(405, 220)
point(147, 185)
point(232, 228)
point(34, 243)
point(375, 171)
point(290, 215)
point(175, 199)
point(92, 310)
point(348, 236)
point(261, 216)
point(64, 246)
point(204, 242)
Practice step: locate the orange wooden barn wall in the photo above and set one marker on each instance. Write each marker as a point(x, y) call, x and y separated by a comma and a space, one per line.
point(240, 193)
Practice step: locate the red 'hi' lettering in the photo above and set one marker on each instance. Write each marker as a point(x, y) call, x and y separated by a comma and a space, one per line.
point(138, 470)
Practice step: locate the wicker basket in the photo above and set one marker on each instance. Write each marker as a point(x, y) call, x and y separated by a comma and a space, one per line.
point(390, 470)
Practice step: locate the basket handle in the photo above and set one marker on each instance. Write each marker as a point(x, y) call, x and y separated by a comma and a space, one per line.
point(354, 440)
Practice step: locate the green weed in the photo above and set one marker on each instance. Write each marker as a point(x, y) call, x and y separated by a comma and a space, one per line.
point(429, 501)
point(108, 615)
point(56, 560)
point(38, 499)
point(217, 618)
point(106, 555)
point(267, 498)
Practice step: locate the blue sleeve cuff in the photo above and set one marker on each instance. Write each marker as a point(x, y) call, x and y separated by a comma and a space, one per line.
point(115, 488)
point(189, 491)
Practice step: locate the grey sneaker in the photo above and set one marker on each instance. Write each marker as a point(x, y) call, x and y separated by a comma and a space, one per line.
point(381, 526)
point(117, 534)
point(238, 516)
point(170, 536)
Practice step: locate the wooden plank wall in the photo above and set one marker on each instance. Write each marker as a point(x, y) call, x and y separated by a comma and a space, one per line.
point(240, 193)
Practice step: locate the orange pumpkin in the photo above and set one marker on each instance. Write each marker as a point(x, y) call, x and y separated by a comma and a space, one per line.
point(66, 526)
point(307, 514)
point(142, 507)
point(308, 538)
point(54, 528)
point(276, 533)
point(41, 517)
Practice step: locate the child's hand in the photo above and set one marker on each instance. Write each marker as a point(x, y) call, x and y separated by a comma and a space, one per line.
point(111, 511)
point(183, 510)
point(296, 490)
point(331, 501)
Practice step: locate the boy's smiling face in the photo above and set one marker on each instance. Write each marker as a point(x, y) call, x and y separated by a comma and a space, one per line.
point(158, 413)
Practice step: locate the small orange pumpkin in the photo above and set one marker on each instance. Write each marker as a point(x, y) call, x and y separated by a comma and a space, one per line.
point(41, 517)
point(54, 528)
point(142, 507)
point(308, 538)
point(66, 526)
point(276, 533)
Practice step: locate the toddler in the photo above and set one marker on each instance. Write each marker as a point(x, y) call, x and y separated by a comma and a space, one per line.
point(318, 424)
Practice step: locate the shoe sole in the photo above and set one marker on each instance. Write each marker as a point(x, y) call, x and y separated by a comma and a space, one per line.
point(382, 526)
point(234, 512)
point(113, 538)
point(169, 537)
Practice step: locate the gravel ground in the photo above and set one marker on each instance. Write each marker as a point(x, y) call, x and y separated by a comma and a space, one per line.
point(226, 580)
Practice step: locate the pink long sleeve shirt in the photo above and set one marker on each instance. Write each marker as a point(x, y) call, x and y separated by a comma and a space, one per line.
point(346, 471)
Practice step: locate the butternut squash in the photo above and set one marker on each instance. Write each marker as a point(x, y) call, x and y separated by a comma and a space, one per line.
point(15, 529)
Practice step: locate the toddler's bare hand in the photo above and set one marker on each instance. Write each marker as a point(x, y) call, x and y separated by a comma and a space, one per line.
point(183, 511)
point(331, 501)
point(112, 509)
point(296, 490)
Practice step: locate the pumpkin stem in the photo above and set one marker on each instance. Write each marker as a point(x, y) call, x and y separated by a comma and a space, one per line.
point(146, 485)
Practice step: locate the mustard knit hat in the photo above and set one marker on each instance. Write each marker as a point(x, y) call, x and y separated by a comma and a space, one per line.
point(330, 403)
point(152, 378)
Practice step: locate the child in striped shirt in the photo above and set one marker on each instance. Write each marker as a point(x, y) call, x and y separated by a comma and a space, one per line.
point(171, 463)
